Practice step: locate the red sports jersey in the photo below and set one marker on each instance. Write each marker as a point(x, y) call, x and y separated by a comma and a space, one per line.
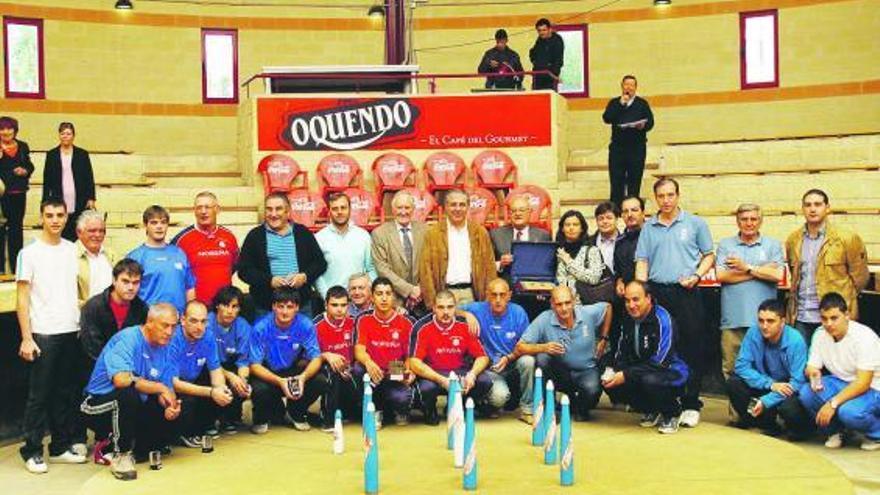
point(211, 258)
point(444, 349)
point(337, 338)
point(385, 341)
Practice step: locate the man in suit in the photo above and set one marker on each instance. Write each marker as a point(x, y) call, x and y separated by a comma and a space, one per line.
point(396, 247)
point(518, 230)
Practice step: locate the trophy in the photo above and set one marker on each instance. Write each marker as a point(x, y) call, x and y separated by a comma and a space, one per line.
point(396, 370)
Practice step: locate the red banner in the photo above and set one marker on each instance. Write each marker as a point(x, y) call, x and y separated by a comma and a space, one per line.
point(426, 122)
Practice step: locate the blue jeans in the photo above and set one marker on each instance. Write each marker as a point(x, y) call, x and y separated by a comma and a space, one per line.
point(861, 413)
point(522, 374)
point(582, 386)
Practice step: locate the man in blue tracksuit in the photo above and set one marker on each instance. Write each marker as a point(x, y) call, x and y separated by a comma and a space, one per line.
point(648, 374)
point(770, 368)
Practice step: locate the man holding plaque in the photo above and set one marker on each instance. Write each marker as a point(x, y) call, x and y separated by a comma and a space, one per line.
point(382, 349)
point(442, 344)
point(285, 361)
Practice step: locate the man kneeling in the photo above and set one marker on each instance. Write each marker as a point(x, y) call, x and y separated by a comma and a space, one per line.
point(130, 395)
point(200, 381)
point(648, 374)
point(285, 363)
point(442, 343)
point(768, 374)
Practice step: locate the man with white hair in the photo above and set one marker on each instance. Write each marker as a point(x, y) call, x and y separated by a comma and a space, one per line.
point(95, 259)
point(396, 248)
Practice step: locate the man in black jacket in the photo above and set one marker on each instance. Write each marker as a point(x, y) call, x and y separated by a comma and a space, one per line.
point(280, 253)
point(630, 119)
point(501, 59)
point(101, 317)
point(632, 210)
point(546, 54)
point(647, 372)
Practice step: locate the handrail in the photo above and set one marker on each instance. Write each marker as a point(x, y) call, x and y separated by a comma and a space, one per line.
point(777, 138)
point(394, 75)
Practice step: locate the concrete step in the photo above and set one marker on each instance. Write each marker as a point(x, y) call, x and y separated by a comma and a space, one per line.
point(196, 180)
point(190, 163)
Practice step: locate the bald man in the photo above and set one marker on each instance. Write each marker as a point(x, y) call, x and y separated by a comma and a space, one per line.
point(518, 230)
point(564, 341)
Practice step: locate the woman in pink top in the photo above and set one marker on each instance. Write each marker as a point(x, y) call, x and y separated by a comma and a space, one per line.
point(68, 176)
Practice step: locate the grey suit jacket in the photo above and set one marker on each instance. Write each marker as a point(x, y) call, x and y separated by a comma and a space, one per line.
point(502, 239)
point(389, 258)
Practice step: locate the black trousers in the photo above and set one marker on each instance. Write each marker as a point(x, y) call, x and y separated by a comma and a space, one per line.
point(197, 414)
point(342, 393)
point(268, 398)
point(626, 164)
point(582, 386)
point(11, 234)
point(686, 308)
point(649, 393)
point(69, 231)
point(128, 421)
point(53, 395)
point(232, 412)
point(543, 81)
point(806, 330)
point(793, 413)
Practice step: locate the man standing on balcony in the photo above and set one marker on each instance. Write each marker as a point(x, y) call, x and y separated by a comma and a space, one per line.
point(500, 59)
point(630, 118)
point(346, 246)
point(546, 54)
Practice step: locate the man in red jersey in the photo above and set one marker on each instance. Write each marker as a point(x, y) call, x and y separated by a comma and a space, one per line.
point(382, 351)
point(212, 249)
point(443, 344)
point(335, 330)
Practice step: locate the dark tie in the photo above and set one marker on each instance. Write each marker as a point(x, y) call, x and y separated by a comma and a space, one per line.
point(519, 235)
point(407, 246)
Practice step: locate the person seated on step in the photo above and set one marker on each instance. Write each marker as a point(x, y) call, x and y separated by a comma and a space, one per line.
point(768, 373)
point(130, 396)
point(847, 397)
point(502, 323)
point(335, 330)
point(382, 346)
point(233, 336)
point(442, 343)
point(199, 383)
point(648, 374)
point(285, 364)
point(563, 340)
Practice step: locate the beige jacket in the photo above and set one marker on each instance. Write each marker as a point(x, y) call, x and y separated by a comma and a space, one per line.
point(435, 257)
point(82, 280)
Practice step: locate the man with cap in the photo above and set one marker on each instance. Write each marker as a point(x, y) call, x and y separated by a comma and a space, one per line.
point(500, 59)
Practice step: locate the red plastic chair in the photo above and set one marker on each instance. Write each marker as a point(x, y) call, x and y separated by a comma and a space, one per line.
point(495, 170)
point(307, 208)
point(444, 171)
point(392, 172)
point(539, 199)
point(280, 172)
point(364, 212)
point(483, 207)
point(338, 172)
point(426, 207)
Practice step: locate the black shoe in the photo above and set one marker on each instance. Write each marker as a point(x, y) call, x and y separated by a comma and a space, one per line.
point(431, 417)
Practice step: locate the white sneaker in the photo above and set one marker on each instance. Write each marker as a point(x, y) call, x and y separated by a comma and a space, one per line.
point(67, 457)
point(834, 441)
point(80, 449)
point(37, 465)
point(870, 444)
point(378, 420)
point(689, 418)
point(260, 429)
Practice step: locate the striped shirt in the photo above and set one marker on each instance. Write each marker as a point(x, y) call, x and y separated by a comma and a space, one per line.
point(282, 253)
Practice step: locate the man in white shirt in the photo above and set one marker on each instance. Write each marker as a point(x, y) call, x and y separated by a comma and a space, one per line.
point(96, 259)
point(518, 230)
point(848, 397)
point(48, 316)
point(346, 246)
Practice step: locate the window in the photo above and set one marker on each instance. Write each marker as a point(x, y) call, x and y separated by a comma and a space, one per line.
point(23, 58)
point(219, 66)
point(759, 49)
point(574, 78)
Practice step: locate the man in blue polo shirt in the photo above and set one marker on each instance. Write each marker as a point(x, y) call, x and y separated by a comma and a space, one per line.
point(502, 323)
point(167, 276)
point(749, 267)
point(674, 252)
point(130, 397)
point(233, 336)
point(285, 363)
point(770, 369)
point(563, 339)
point(200, 382)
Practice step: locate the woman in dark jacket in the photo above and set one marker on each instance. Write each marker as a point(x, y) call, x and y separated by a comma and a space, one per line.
point(68, 176)
point(15, 172)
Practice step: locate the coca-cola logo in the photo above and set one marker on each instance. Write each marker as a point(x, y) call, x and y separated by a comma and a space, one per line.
point(303, 205)
point(443, 165)
point(339, 168)
point(278, 168)
point(350, 127)
point(492, 164)
point(393, 167)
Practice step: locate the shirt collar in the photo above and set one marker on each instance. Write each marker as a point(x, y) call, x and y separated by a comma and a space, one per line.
point(453, 228)
point(554, 320)
point(758, 240)
point(83, 252)
point(655, 220)
point(822, 231)
point(269, 230)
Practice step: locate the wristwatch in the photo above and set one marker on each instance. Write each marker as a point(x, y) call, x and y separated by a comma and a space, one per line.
point(833, 403)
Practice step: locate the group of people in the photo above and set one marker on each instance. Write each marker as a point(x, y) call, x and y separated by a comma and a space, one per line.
point(152, 350)
point(505, 68)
